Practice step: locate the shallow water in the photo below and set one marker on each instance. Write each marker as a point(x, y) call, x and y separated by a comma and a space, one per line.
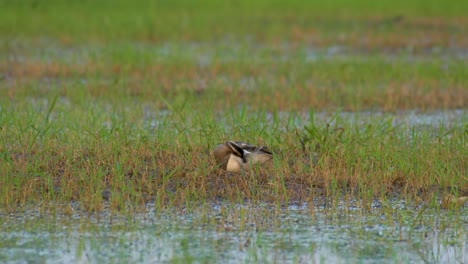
point(234, 233)
point(444, 118)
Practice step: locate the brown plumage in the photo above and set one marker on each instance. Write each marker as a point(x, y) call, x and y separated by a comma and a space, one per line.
point(236, 156)
point(450, 200)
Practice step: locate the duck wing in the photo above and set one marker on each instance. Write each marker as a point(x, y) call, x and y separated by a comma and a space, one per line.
point(236, 149)
point(254, 149)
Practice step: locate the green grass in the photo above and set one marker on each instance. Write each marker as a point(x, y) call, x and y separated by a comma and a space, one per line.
point(109, 112)
point(204, 20)
point(131, 154)
point(122, 102)
point(265, 78)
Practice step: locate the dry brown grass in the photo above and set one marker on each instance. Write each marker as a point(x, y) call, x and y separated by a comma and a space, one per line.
point(268, 88)
point(175, 177)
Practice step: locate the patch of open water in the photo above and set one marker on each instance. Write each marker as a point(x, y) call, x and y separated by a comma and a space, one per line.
point(233, 233)
point(206, 53)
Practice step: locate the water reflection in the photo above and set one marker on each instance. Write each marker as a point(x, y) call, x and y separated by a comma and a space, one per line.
point(233, 233)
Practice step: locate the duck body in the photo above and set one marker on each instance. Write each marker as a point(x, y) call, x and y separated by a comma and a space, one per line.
point(237, 156)
point(451, 200)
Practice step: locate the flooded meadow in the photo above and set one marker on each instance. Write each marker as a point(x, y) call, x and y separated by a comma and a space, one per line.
point(110, 112)
point(390, 232)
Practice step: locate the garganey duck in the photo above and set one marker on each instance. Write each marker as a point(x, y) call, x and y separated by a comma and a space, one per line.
point(236, 156)
point(451, 200)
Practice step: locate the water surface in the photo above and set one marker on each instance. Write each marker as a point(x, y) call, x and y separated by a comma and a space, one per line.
point(233, 233)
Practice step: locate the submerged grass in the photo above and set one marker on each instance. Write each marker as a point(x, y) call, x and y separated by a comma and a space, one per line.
point(239, 232)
